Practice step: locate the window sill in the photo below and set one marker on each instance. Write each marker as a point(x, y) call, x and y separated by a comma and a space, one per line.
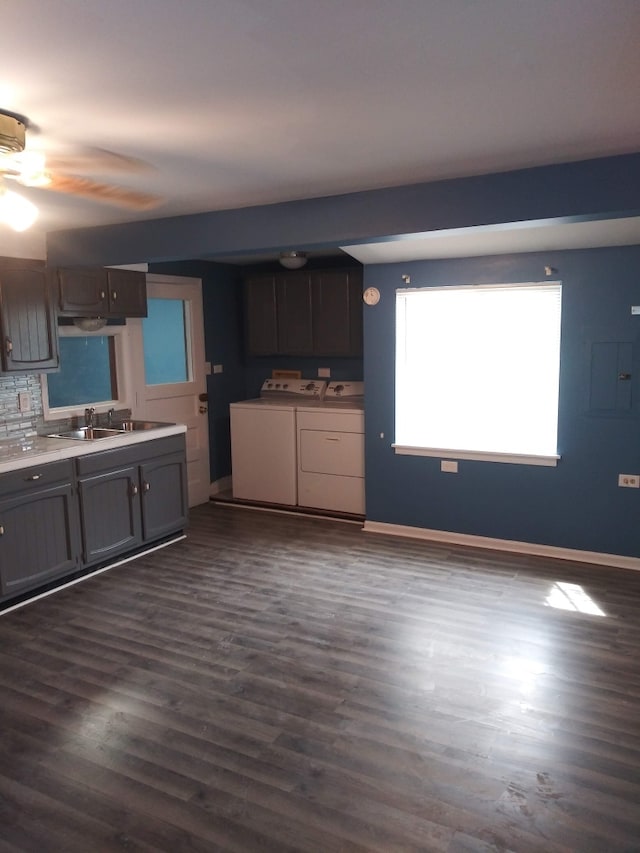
point(480, 456)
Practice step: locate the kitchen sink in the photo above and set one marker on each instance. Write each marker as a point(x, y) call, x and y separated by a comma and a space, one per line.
point(129, 426)
point(87, 433)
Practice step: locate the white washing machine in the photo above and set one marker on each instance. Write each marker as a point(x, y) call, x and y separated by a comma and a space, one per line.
point(331, 450)
point(263, 441)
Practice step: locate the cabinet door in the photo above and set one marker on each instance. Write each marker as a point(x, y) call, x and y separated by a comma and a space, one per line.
point(295, 332)
point(29, 332)
point(163, 483)
point(337, 313)
point(82, 292)
point(127, 291)
point(261, 320)
point(110, 514)
point(38, 538)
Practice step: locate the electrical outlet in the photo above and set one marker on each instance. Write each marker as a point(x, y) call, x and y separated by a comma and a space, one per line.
point(217, 368)
point(629, 481)
point(324, 372)
point(450, 466)
point(24, 401)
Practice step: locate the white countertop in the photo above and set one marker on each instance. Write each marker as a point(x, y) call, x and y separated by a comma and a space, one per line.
point(38, 450)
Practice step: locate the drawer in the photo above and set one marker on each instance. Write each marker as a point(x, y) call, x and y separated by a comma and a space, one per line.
point(331, 419)
point(331, 452)
point(36, 477)
point(118, 457)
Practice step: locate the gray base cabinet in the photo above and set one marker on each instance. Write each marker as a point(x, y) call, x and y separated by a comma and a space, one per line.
point(163, 496)
point(109, 514)
point(131, 496)
point(39, 536)
point(63, 517)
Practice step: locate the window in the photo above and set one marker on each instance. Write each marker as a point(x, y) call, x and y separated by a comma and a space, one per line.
point(165, 342)
point(477, 372)
point(92, 373)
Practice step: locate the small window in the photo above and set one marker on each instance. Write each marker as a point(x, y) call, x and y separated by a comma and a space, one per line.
point(165, 342)
point(92, 373)
point(477, 372)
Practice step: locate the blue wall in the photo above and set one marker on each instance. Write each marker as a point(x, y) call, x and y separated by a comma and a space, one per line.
point(576, 505)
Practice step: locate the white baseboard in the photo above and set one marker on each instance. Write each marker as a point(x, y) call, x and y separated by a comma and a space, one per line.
point(221, 485)
point(616, 560)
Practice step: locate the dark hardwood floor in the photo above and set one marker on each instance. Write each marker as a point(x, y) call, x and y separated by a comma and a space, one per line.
point(294, 684)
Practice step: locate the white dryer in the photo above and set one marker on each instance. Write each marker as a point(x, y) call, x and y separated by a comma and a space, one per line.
point(263, 441)
point(331, 450)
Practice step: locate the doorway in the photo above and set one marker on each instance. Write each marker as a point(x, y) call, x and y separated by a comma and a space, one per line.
point(170, 360)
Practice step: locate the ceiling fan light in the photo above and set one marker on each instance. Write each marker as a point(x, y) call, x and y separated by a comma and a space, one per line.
point(16, 211)
point(12, 134)
point(293, 260)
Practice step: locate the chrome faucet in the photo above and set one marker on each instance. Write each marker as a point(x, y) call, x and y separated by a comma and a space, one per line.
point(110, 415)
point(88, 416)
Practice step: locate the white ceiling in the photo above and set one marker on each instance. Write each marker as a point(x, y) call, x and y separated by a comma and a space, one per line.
point(244, 102)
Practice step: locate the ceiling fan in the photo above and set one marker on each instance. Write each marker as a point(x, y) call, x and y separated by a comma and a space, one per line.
point(58, 172)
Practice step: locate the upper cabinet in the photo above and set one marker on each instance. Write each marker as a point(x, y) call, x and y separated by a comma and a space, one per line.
point(315, 313)
point(27, 319)
point(98, 292)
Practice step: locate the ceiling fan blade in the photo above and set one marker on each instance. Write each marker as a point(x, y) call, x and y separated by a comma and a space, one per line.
point(92, 159)
point(109, 193)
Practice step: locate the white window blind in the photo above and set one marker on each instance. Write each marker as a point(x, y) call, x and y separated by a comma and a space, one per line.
point(477, 368)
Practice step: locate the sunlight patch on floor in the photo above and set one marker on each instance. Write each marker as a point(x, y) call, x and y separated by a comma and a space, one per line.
point(571, 596)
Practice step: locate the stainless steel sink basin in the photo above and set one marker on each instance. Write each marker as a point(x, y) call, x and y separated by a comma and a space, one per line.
point(87, 433)
point(129, 426)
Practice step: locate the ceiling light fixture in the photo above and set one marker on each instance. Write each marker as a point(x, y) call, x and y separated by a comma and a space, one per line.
point(293, 260)
point(90, 324)
point(16, 211)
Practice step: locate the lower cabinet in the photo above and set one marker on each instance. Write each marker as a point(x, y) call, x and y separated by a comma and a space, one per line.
point(60, 518)
point(131, 496)
point(39, 534)
point(109, 514)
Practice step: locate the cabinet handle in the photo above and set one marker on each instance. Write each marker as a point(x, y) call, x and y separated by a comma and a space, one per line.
point(33, 477)
point(134, 489)
point(332, 439)
point(114, 295)
point(102, 294)
point(1, 529)
point(146, 486)
point(9, 345)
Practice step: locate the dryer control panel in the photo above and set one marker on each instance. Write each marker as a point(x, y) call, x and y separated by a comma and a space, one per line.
point(300, 389)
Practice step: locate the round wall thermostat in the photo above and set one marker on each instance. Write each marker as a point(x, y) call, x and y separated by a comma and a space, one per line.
point(371, 296)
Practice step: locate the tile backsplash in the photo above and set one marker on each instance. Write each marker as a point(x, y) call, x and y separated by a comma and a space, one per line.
point(15, 424)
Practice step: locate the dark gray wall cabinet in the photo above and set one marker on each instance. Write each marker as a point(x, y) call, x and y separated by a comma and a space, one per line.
point(98, 292)
point(27, 320)
point(315, 313)
point(39, 536)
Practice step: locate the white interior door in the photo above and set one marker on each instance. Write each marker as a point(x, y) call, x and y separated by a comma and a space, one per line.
point(171, 361)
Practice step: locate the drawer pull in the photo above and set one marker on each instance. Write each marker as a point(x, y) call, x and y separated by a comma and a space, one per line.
point(33, 477)
point(332, 439)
